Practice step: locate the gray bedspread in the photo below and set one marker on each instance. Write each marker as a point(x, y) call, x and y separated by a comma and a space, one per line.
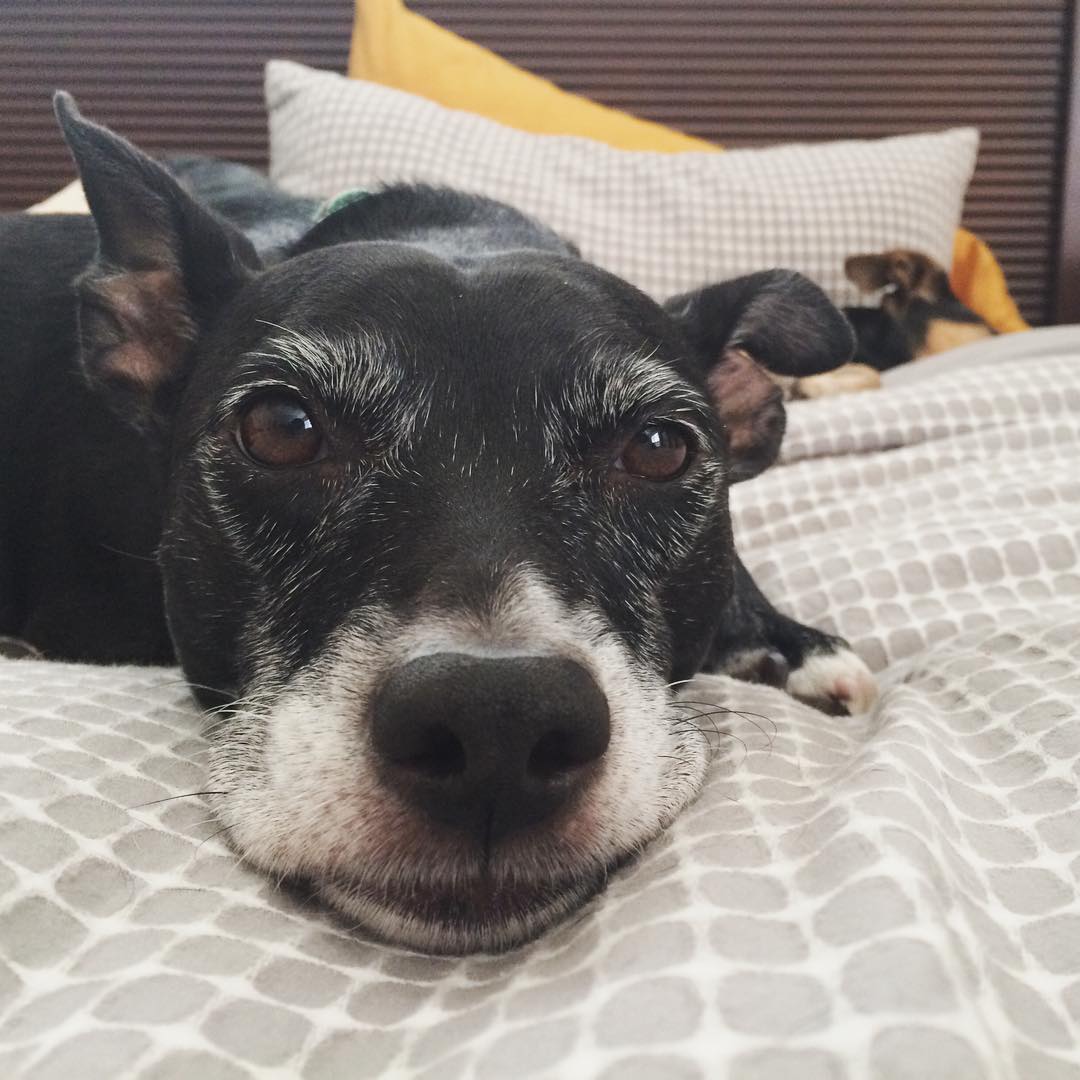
point(892, 897)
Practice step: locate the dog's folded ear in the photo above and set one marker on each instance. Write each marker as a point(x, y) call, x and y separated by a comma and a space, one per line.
point(164, 264)
point(908, 271)
point(774, 321)
point(872, 272)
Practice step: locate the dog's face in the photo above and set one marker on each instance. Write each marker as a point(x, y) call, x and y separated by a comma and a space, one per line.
point(438, 498)
point(919, 298)
point(446, 532)
point(909, 277)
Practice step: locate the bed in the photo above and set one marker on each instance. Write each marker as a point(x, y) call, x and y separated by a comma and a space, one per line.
point(891, 896)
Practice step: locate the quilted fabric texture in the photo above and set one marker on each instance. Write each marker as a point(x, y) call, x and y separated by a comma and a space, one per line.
point(666, 223)
point(894, 896)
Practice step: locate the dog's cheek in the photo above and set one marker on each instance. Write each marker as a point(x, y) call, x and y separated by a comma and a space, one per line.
point(233, 621)
point(231, 563)
point(695, 596)
point(663, 590)
point(207, 597)
point(643, 539)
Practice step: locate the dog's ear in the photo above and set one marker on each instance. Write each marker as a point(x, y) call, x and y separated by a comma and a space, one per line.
point(164, 265)
point(910, 272)
point(775, 321)
point(870, 272)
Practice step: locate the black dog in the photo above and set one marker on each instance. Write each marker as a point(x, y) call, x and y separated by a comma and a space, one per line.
point(437, 506)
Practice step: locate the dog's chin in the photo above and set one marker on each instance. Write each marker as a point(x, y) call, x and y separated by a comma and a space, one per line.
point(470, 917)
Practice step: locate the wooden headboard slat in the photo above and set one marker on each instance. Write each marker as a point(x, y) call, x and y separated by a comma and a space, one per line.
point(1068, 252)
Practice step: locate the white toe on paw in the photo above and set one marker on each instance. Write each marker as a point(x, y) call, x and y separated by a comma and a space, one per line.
point(834, 681)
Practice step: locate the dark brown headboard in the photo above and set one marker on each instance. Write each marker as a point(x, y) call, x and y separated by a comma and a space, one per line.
point(186, 75)
point(1068, 262)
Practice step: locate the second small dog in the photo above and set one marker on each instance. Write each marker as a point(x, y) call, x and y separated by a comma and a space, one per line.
point(919, 315)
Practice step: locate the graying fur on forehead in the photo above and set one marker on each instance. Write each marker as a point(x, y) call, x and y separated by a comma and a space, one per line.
point(611, 385)
point(357, 372)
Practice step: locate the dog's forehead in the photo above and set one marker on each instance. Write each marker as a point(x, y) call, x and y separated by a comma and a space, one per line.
point(499, 330)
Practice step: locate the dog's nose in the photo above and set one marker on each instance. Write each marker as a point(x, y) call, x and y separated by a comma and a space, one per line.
point(489, 745)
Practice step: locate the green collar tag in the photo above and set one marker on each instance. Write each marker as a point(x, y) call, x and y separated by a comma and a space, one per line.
point(346, 198)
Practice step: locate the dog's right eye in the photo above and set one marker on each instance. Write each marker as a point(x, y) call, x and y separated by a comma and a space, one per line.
point(276, 429)
point(657, 452)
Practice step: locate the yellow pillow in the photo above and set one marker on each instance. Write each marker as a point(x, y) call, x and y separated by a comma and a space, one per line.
point(979, 282)
point(396, 47)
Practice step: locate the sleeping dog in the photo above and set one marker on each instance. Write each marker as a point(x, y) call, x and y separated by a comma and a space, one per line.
point(434, 509)
point(919, 315)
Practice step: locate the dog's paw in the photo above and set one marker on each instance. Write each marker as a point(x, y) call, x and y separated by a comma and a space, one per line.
point(835, 681)
point(848, 379)
point(830, 678)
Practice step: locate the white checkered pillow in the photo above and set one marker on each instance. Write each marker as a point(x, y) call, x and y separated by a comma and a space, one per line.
point(666, 222)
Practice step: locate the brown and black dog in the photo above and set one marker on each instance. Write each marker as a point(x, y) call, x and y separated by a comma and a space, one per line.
point(919, 315)
point(925, 315)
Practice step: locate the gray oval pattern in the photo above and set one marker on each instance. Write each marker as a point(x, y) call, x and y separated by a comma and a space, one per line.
point(891, 897)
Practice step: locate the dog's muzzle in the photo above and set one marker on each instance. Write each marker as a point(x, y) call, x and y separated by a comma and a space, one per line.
point(489, 745)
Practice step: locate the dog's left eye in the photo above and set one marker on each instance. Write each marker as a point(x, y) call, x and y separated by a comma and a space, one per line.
point(659, 451)
point(276, 429)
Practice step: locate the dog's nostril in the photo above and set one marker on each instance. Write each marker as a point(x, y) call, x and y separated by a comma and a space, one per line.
point(437, 753)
